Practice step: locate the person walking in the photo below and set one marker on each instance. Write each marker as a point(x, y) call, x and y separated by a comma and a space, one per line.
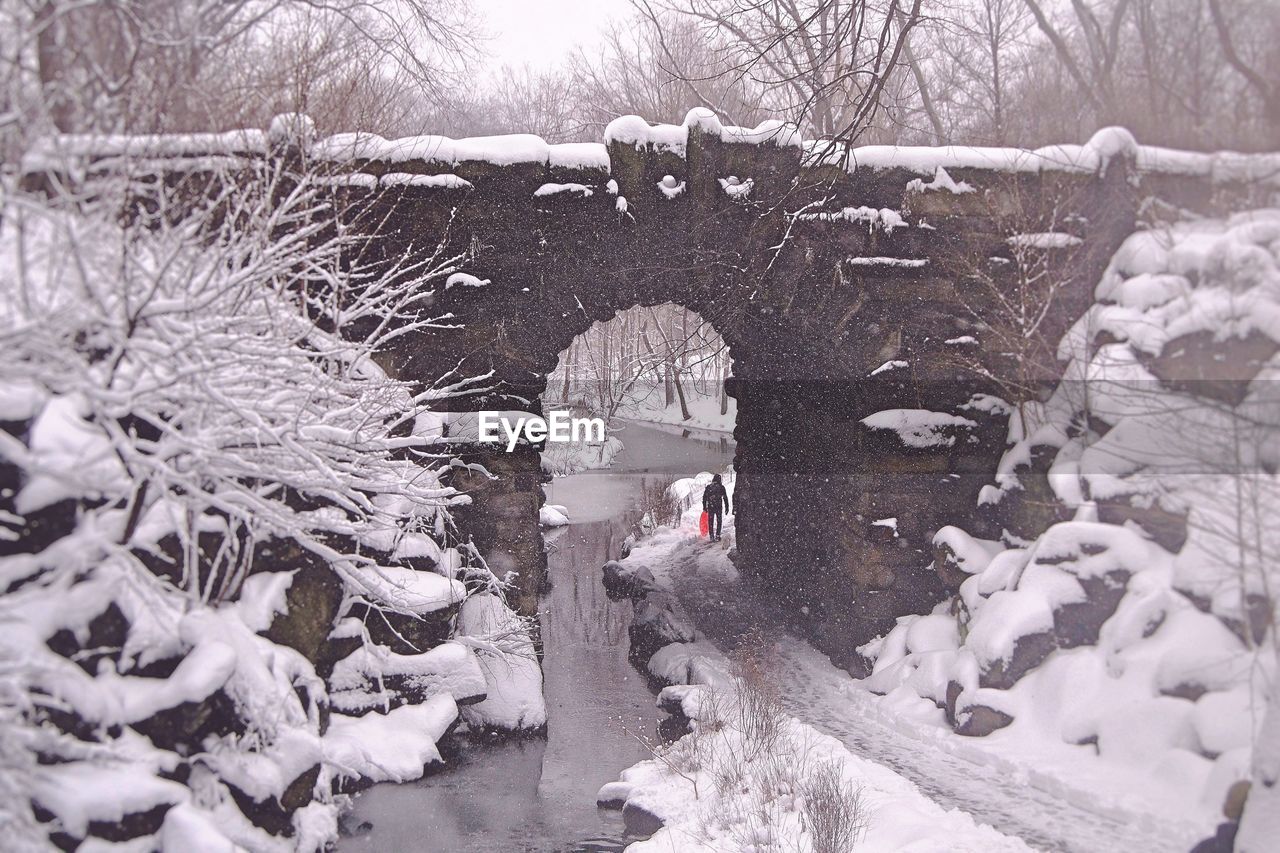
point(715, 503)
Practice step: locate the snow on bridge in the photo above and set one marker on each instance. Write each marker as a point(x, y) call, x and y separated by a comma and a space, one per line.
point(440, 156)
point(817, 263)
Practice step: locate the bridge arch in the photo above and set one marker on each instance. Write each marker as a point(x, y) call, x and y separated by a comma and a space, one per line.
point(826, 269)
point(837, 277)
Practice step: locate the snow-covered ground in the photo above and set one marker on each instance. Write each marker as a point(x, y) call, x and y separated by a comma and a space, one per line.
point(561, 458)
point(1053, 798)
point(704, 412)
point(755, 772)
point(1100, 677)
point(733, 786)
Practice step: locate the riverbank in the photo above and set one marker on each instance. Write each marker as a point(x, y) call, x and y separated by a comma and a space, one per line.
point(538, 794)
point(1039, 796)
point(749, 772)
point(704, 413)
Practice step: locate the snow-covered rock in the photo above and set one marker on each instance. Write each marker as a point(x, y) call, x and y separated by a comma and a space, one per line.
point(373, 676)
point(396, 746)
point(81, 792)
point(627, 579)
point(921, 428)
point(1125, 611)
point(658, 620)
point(941, 181)
point(553, 515)
point(406, 590)
point(166, 645)
point(513, 678)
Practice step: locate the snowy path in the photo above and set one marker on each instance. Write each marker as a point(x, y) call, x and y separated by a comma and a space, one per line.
point(1014, 800)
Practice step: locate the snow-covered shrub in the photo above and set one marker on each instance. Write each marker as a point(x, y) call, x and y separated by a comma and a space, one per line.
point(658, 504)
point(223, 367)
point(1139, 621)
point(714, 791)
point(758, 709)
point(202, 468)
point(832, 810)
point(562, 458)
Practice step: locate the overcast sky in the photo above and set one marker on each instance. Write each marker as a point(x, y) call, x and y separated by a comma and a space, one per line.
point(541, 33)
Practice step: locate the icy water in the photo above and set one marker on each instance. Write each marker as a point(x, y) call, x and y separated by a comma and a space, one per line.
point(535, 795)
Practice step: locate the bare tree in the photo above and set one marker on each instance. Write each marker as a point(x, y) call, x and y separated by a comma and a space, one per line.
point(1259, 80)
point(664, 350)
point(539, 102)
point(826, 64)
point(1019, 305)
point(1180, 72)
point(113, 65)
point(1093, 64)
point(318, 66)
point(659, 68)
point(981, 52)
point(231, 371)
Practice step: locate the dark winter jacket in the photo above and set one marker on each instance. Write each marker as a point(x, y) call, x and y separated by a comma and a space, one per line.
point(713, 497)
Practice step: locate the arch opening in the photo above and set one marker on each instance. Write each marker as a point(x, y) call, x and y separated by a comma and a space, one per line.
point(661, 365)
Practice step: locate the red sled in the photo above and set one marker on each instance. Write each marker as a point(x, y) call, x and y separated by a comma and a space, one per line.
point(702, 525)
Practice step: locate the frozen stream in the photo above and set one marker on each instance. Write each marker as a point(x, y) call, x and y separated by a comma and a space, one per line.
point(538, 795)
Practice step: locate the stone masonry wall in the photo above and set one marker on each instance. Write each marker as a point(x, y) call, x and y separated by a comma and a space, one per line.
point(843, 289)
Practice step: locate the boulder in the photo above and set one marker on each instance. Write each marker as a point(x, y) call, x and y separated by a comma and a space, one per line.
point(1079, 623)
point(1233, 803)
point(115, 803)
point(41, 528)
point(1029, 651)
point(313, 599)
point(954, 689)
point(658, 621)
point(624, 580)
point(1223, 840)
point(131, 826)
point(946, 568)
point(671, 729)
point(672, 698)
point(1168, 529)
point(957, 556)
point(639, 821)
point(276, 815)
point(374, 678)
point(1208, 365)
point(407, 634)
point(107, 633)
point(183, 727)
point(978, 720)
point(613, 795)
point(1028, 511)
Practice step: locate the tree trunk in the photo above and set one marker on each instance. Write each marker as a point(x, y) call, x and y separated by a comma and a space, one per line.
point(1261, 818)
point(53, 84)
point(565, 390)
point(684, 407)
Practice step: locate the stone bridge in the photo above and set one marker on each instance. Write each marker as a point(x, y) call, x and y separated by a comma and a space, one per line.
point(863, 294)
